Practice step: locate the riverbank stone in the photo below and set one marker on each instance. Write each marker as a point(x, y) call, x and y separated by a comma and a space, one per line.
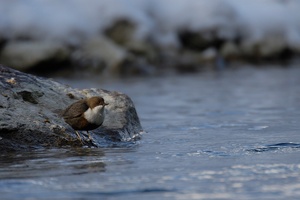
point(26, 55)
point(31, 108)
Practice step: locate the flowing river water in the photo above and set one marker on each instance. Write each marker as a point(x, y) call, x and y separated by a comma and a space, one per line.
point(233, 134)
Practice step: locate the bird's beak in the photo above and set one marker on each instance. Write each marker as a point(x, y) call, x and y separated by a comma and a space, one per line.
point(106, 104)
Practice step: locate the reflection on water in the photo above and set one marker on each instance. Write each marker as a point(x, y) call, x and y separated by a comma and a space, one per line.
point(51, 163)
point(230, 135)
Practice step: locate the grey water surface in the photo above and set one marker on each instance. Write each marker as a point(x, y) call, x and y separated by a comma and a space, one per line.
point(233, 134)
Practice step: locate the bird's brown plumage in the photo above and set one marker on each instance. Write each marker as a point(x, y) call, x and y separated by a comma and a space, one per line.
point(74, 114)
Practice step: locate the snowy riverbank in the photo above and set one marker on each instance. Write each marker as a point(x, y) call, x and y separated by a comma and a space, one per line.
point(132, 36)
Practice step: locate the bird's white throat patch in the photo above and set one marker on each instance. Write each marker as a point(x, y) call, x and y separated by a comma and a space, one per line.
point(95, 115)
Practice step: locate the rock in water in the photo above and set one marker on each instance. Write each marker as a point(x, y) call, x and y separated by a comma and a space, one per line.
point(31, 108)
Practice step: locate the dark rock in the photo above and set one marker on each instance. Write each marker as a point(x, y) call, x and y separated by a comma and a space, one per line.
point(121, 31)
point(200, 41)
point(31, 107)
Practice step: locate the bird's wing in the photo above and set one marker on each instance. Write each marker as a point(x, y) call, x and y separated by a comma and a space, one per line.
point(76, 109)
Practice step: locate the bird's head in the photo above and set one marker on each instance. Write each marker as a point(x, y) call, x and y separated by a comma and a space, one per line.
point(96, 101)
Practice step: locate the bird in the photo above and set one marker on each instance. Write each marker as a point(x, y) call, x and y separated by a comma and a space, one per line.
point(85, 115)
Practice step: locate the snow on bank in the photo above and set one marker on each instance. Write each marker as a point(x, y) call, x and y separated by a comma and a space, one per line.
point(116, 34)
point(275, 21)
point(73, 20)
point(69, 20)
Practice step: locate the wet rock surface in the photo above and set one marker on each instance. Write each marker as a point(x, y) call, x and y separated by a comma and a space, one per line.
point(31, 108)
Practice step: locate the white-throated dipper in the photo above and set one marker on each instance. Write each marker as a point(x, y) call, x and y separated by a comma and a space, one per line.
point(86, 114)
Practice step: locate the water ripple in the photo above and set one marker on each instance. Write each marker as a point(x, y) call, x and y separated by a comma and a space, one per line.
point(124, 192)
point(275, 147)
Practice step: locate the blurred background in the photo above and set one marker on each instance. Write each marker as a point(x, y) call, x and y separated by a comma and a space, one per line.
point(141, 37)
